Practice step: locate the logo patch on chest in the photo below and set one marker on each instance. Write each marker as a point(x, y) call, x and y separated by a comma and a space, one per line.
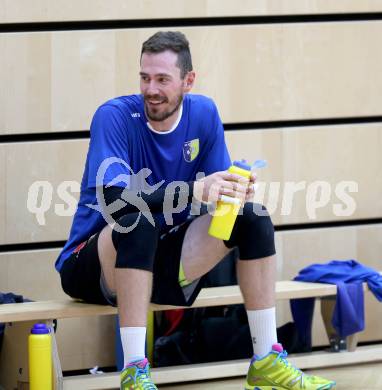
point(191, 149)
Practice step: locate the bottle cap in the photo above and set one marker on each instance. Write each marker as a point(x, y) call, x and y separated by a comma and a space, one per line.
point(40, 329)
point(242, 164)
point(260, 164)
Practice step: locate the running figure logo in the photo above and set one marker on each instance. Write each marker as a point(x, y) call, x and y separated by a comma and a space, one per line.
point(191, 149)
point(136, 184)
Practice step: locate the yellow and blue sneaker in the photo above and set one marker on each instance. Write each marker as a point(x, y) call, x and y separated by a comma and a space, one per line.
point(136, 376)
point(274, 372)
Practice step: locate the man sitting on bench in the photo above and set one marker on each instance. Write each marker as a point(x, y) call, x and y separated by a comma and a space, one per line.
point(127, 244)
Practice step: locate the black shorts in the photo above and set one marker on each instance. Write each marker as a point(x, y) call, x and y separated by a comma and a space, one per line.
point(81, 272)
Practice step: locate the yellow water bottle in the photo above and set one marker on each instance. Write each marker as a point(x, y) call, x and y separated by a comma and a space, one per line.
point(228, 208)
point(40, 358)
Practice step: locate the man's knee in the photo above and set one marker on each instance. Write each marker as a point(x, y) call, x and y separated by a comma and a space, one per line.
point(256, 220)
point(137, 243)
point(253, 233)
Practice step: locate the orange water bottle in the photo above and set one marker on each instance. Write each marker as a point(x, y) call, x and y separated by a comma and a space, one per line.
point(40, 358)
point(228, 208)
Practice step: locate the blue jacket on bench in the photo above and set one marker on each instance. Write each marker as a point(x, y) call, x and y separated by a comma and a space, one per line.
point(348, 316)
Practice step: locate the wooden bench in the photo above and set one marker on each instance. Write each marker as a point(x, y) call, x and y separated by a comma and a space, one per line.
point(216, 296)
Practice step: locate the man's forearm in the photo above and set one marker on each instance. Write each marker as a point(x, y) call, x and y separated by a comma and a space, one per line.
point(157, 201)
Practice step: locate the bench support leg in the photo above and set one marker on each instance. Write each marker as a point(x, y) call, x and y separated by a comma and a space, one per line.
point(57, 370)
point(327, 308)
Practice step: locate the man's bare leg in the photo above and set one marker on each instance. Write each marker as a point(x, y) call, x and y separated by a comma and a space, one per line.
point(257, 280)
point(201, 252)
point(133, 288)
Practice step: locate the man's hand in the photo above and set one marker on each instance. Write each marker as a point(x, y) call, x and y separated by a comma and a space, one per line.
point(212, 187)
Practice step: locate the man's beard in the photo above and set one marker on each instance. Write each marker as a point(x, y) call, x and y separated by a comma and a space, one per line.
point(161, 116)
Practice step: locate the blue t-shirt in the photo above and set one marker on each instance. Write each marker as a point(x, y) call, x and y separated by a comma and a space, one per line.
point(121, 143)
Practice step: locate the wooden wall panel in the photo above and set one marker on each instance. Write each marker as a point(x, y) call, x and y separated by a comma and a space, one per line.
point(310, 155)
point(31, 274)
point(335, 154)
point(26, 86)
point(3, 203)
point(87, 342)
point(284, 71)
point(50, 164)
point(331, 153)
point(83, 343)
point(45, 11)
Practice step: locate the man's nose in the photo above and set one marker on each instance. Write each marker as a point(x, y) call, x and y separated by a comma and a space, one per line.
point(152, 88)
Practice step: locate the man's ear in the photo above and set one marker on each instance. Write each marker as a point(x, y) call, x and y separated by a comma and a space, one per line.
point(188, 82)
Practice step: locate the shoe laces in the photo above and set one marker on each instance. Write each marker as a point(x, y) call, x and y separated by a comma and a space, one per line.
point(296, 372)
point(143, 377)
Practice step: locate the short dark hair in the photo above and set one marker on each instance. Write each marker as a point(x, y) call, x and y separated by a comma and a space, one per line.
point(174, 41)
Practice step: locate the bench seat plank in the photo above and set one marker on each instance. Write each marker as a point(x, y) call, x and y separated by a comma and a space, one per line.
point(214, 296)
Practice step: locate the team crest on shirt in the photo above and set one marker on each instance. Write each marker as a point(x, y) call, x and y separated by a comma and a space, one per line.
point(191, 149)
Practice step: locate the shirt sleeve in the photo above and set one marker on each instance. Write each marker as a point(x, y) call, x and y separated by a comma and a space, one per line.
point(156, 200)
point(216, 157)
point(108, 157)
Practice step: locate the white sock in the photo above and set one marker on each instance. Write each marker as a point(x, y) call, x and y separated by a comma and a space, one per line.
point(133, 344)
point(262, 324)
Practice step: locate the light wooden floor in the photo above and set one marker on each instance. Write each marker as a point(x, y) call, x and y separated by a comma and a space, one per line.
point(359, 377)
